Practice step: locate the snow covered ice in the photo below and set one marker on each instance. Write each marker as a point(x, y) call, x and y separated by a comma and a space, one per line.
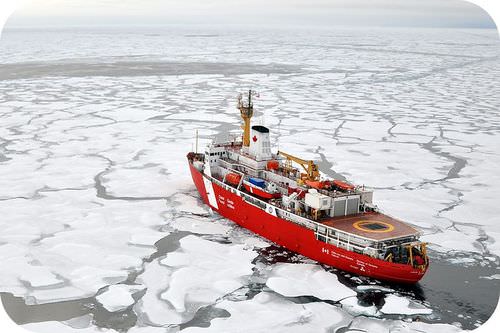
point(118, 297)
point(205, 271)
point(268, 312)
point(307, 280)
point(400, 305)
point(97, 205)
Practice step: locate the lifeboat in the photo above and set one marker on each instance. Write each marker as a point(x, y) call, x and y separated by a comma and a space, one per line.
point(233, 179)
point(343, 185)
point(259, 188)
point(273, 165)
point(319, 184)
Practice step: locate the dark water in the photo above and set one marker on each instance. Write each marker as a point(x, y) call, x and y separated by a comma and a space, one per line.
point(118, 68)
point(460, 293)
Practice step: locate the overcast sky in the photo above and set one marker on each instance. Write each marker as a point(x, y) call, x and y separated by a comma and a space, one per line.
point(422, 13)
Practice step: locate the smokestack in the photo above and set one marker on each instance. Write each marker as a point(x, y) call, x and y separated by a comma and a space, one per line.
point(260, 145)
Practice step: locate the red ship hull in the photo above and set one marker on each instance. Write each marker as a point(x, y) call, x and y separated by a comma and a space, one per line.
point(296, 238)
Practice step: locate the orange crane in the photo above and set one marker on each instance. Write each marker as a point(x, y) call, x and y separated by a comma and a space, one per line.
point(312, 172)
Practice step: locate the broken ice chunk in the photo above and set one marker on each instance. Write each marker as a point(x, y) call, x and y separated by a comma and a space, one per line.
point(118, 297)
point(294, 280)
point(401, 305)
point(205, 271)
point(275, 314)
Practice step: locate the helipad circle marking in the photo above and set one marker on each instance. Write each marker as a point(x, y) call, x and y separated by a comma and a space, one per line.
point(359, 225)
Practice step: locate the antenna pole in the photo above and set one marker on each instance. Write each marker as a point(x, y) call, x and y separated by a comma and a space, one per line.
point(196, 151)
point(279, 134)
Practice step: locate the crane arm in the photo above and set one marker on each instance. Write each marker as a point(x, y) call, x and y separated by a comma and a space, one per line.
point(293, 158)
point(308, 165)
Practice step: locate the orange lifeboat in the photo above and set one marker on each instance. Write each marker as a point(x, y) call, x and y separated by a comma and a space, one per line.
point(316, 184)
point(343, 185)
point(233, 178)
point(273, 165)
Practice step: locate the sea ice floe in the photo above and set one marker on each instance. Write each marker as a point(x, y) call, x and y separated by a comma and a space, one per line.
point(475, 197)
point(139, 183)
point(49, 174)
point(56, 326)
point(255, 242)
point(306, 124)
point(39, 276)
point(374, 287)
point(146, 237)
point(151, 309)
point(369, 325)
point(189, 203)
point(352, 306)
point(401, 305)
point(491, 277)
point(407, 204)
point(200, 116)
point(153, 329)
point(294, 280)
point(452, 240)
point(268, 312)
point(493, 242)
point(13, 259)
point(118, 297)
point(198, 273)
point(92, 244)
point(205, 270)
point(366, 130)
point(133, 114)
point(93, 278)
point(386, 164)
point(201, 225)
point(59, 293)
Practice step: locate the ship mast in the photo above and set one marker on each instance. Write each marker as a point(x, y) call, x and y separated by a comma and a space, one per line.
point(246, 111)
point(196, 151)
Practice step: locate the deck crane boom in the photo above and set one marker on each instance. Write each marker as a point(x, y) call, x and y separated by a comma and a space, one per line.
point(312, 172)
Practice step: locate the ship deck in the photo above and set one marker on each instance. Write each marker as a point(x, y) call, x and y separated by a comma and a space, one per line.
point(374, 226)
